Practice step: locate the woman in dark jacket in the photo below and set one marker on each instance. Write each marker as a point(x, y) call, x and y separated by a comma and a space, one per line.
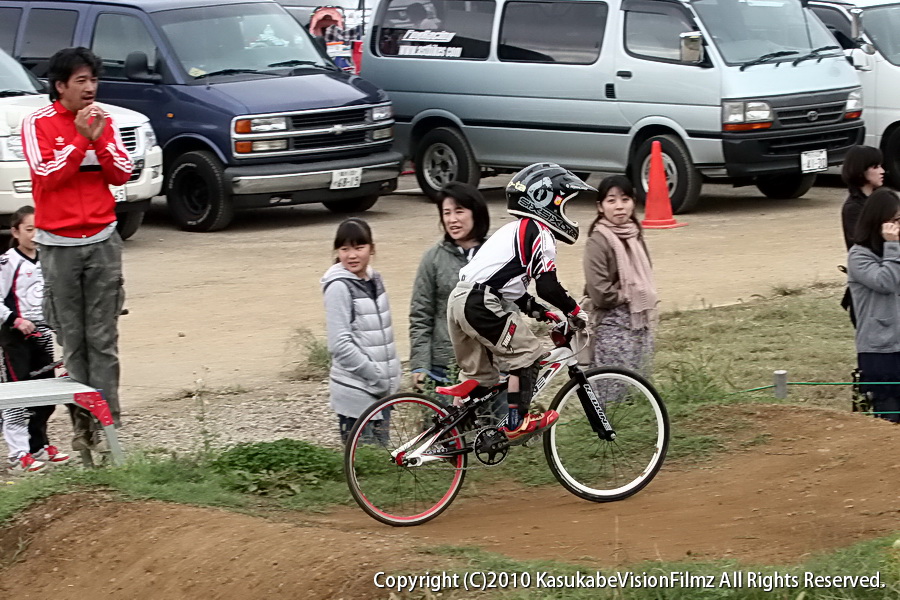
point(863, 174)
point(465, 222)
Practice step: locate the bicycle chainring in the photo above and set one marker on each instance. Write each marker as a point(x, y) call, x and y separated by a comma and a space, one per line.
point(491, 446)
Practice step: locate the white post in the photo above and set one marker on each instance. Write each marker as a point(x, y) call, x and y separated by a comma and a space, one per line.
point(781, 384)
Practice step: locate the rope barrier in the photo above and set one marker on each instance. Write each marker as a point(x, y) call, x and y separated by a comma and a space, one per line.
point(787, 383)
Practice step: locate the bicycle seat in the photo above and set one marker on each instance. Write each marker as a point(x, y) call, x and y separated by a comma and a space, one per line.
point(460, 390)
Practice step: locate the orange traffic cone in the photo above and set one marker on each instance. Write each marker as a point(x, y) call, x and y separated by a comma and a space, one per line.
point(658, 214)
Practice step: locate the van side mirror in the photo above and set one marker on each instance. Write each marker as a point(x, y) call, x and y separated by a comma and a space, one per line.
point(691, 47)
point(137, 69)
point(856, 32)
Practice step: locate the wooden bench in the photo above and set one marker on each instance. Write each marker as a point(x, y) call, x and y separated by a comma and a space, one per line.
point(63, 390)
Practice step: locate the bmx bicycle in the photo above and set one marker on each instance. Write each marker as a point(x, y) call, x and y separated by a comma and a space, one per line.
point(609, 442)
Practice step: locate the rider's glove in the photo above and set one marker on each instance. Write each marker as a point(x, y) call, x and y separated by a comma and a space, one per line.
point(576, 319)
point(535, 309)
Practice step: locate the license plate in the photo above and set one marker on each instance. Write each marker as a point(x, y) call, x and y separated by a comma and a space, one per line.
point(119, 193)
point(346, 178)
point(814, 161)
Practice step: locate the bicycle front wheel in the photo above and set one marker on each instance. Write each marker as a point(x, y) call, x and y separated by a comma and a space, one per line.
point(389, 491)
point(601, 470)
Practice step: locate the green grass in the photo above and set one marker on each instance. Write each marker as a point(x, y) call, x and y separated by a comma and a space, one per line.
point(864, 559)
point(704, 355)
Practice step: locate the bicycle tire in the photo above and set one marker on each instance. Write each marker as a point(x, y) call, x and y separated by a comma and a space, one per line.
point(600, 470)
point(398, 495)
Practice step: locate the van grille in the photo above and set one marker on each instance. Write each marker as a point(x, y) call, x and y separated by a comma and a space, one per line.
point(313, 134)
point(329, 140)
point(791, 145)
point(327, 119)
point(129, 138)
point(815, 114)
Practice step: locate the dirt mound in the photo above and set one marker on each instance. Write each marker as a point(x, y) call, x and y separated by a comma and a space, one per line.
point(86, 546)
point(815, 481)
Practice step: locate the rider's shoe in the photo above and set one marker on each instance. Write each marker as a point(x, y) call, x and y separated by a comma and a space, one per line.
point(531, 425)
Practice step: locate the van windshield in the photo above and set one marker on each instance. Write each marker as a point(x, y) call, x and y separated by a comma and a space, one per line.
point(238, 38)
point(882, 25)
point(745, 30)
point(15, 80)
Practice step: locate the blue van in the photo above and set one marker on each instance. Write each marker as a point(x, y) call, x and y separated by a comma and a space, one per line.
point(248, 109)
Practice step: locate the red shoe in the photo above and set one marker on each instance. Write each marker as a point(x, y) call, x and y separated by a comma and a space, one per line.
point(25, 464)
point(530, 426)
point(51, 454)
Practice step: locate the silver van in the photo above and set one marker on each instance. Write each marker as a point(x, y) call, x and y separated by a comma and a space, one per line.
point(755, 92)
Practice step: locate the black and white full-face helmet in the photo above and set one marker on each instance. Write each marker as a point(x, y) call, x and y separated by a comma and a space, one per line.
point(541, 192)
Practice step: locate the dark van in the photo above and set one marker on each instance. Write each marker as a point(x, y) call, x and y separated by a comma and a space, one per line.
point(248, 109)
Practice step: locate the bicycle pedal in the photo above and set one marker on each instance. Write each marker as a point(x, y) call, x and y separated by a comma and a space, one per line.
point(533, 439)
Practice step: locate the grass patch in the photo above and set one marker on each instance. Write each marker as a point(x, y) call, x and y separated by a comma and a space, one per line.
point(314, 360)
point(704, 356)
point(864, 559)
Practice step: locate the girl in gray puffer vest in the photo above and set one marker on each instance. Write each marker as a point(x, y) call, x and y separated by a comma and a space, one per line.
point(364, 363)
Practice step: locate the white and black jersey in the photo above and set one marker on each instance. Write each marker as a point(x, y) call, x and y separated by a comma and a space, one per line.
point(21, 286)
point(514, 255)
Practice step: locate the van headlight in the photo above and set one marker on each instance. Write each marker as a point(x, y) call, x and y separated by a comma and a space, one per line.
point(11, 148)
point(261, 125)
point(746, 115)
point(854, 105)
point(380, 113)
point(147, 134)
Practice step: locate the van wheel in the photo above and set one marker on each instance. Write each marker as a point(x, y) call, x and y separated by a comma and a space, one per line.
point(443, 156)
point(352, 205)
point(682, 178)
point(197, 194)
point(785, 187)
point(891, 165)
point(128, 223)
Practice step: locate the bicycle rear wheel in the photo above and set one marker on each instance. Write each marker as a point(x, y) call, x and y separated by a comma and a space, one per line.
point(600, 470)
point(390, 492)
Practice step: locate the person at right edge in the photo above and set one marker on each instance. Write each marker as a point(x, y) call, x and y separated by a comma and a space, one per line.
point(75, 154)
point(482, 311)
point(873, 274)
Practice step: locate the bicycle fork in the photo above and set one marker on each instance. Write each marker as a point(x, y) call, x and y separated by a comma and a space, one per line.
point(591, 405)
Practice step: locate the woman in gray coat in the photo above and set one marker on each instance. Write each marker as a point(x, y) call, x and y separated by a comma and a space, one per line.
point(873, 275)
point(465, 222)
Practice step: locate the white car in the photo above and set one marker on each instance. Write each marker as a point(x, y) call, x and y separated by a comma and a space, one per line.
point(21, 95)
point(873, 45)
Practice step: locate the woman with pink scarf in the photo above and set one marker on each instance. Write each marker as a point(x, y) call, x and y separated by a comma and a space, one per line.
point(619, 282)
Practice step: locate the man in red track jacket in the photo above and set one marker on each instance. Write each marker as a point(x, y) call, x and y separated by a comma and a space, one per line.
point(75, 153)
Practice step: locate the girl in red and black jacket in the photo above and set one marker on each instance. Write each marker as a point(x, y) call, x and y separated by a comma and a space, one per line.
point(27, 341)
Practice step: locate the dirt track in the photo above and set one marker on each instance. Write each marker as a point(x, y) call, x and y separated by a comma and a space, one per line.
point(808, 489)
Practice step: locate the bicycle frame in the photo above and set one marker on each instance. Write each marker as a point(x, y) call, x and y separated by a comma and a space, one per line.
point(559, 357)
